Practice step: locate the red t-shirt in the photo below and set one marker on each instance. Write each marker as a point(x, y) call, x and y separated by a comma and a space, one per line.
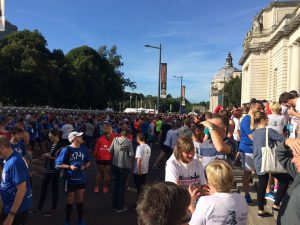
point(101, 150)
point(5, 133)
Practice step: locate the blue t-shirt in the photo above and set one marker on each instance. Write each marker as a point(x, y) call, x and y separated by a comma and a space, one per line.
point(246, 144)
point(145, 127)
point(78, 157)
point(14, 173)
point(19, 147)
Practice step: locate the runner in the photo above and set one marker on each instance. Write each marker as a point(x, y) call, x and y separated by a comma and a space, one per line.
point(74, 159)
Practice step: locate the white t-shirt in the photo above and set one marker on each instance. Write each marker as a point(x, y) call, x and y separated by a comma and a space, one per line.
point(220, 209)
point(276, 122)
point(184, 174)
point(143, 152)
point(65, 130)
point(236, 128)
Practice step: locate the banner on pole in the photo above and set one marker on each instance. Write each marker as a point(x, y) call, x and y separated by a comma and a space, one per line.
point(2, 16)
point(163, 84)
point(183, 95)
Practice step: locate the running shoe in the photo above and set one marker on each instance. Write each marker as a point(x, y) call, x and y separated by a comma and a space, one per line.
point(248, 199)
point(270, 196)
point(105, 190)
point(96, 189)
point(265, 214)
point(49, 213)
point(125, 208)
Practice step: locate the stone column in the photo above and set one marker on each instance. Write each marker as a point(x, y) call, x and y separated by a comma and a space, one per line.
point(295, 68)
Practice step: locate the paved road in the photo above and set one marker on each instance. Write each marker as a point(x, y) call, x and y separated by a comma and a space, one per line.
point(97, 207)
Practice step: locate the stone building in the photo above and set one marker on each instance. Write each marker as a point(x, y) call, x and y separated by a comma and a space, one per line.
point(218, 82)
point(271, 57)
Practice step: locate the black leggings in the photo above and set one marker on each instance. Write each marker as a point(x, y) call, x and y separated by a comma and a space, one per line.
point(283, 179)
point(139, 182)
point(53, 178)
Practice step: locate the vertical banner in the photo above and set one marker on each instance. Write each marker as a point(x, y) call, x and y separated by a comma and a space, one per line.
point(163, 84)
point(183, 95)
point(2, 17)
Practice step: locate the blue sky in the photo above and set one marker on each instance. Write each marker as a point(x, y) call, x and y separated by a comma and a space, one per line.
point(196, 35)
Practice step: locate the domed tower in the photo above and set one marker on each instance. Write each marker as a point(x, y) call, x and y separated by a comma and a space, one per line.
point(221, 77)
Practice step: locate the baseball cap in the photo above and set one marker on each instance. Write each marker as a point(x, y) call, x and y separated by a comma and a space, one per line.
point(74, 134)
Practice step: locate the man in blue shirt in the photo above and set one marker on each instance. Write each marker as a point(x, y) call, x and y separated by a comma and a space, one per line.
point(246, 146)
point(15, 186)
point(74, 159)
point(16, 141)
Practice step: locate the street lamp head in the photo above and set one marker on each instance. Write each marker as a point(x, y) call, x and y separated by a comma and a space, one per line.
point(177, 76)
point(147, 46)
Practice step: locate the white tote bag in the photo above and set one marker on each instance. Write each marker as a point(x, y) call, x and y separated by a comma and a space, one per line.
point(269, 160)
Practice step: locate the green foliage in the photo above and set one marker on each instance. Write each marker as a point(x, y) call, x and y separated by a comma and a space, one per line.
point(232, 92)
point(30, 74)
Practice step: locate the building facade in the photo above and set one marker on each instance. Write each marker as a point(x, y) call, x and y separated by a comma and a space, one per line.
point(218, 82)
point(271, 57)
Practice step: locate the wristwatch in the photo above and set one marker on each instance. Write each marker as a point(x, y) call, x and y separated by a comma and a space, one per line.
point(12, 213)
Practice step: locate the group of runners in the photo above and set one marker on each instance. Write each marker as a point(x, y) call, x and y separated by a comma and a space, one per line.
point(197, 156)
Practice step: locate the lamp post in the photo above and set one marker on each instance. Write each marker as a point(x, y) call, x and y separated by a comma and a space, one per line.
point(159, 72)
point(181, 78)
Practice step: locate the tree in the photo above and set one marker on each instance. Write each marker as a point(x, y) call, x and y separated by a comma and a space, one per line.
point(30, 74)
point(27, 74)
point(232, 92)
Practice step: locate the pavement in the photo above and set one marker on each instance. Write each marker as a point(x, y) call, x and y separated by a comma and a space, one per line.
point(98, 206)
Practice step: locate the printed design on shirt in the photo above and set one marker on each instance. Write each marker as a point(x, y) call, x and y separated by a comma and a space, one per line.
point(77, 155)
point(230, 218)
point(275, 124)
point(188, 180)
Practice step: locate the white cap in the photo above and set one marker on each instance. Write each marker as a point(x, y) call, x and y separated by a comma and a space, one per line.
point(74, 134)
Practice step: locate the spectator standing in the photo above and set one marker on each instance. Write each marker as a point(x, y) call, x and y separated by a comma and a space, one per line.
point(259, 141)
point(66, 129)
point(51, 175)
point(182, 168)
point(122, 155)
point(288, 154)
point(220, 146)
point(221, 205)
point(276, 120)
point(246, 146)
point(89, 130)
point(141, 165)
point(15, 186)
point(164, 203)
point(74, 159)
point(103, 159)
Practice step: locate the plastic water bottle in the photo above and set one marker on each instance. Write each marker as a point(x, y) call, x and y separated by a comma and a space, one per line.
point(290, 130)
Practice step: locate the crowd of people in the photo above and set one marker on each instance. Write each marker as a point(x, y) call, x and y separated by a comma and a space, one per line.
point(197, 155)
